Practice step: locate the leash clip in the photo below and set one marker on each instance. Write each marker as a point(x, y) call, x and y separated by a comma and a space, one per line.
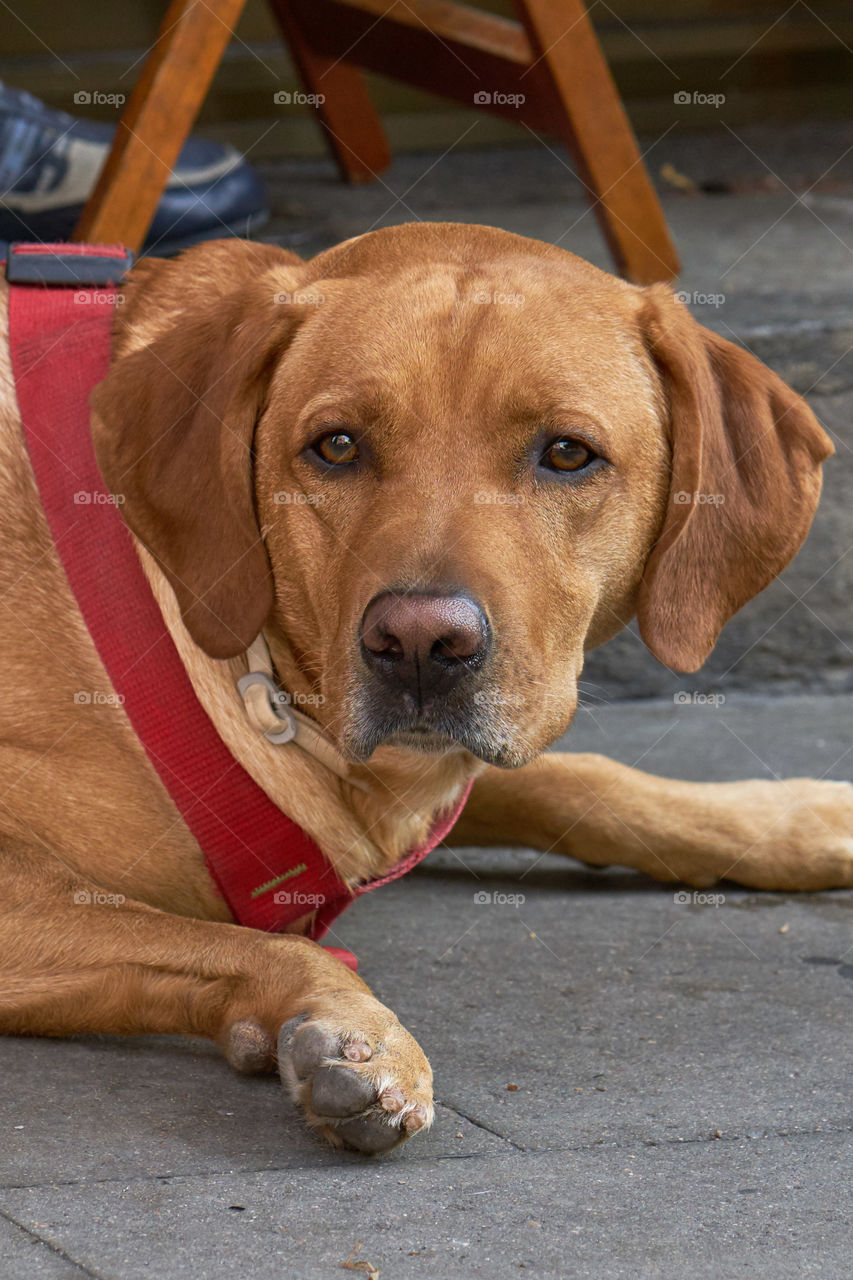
point(277, 705)
point(269, 710)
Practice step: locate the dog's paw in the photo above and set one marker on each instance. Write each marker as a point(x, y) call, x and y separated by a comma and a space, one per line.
point(359, 1076)
point(797, 834)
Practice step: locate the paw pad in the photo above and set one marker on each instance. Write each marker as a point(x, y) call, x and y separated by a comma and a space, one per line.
point(370, 1096)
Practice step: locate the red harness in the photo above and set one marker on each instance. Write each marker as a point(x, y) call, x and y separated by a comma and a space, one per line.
point(267, 869)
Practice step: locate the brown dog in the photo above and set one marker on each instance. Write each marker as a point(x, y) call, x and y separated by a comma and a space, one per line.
point(502, 436)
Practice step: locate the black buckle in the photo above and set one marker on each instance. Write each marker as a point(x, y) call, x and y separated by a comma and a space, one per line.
point(60, 264)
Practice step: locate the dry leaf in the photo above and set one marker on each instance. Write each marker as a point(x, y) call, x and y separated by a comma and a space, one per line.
point(680, 181)
point(361, 1265)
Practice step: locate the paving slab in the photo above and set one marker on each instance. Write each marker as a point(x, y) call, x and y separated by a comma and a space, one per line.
point(26, 1253)
point(95, 1107)
point(768, 1209)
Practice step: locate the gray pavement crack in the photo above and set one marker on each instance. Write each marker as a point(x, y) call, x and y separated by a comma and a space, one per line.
point(54, 1248)
point(413, 1160)
point(479, 1124)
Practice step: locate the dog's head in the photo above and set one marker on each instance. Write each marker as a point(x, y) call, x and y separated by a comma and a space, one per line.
point(438, 463)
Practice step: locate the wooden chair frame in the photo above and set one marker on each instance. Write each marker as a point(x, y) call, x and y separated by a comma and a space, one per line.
point(545, 71)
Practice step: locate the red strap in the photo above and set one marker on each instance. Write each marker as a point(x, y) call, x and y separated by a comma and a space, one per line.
point(345, 957)
point(71, 250)
point(269, 872)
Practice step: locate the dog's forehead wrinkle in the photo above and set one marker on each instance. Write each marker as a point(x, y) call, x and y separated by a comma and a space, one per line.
point(428, 396)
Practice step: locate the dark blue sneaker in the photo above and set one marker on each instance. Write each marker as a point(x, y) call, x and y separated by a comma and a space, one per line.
point(49, 162)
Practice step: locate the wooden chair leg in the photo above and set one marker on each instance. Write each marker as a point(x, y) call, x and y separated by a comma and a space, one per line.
point(353, 129)
point(598, 133)
point(157, 119)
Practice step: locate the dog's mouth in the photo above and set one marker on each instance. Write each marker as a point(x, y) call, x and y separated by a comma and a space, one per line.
point(438, 729)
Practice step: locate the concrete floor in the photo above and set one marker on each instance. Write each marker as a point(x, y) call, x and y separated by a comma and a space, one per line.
point(682, 1088)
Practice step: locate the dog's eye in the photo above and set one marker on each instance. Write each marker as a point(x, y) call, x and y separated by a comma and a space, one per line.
point(337, 447)
point(568, 455)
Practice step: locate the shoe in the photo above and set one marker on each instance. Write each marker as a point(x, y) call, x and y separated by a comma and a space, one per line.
point(50, 161)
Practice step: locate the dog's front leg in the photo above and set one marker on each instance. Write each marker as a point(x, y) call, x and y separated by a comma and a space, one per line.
point(792, 834)
point(76, 958)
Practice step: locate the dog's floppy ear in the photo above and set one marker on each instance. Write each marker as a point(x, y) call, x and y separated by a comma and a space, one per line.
point(173, 428)
point(746, 455)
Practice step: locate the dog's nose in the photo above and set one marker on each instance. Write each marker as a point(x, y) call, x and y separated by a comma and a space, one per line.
point(423, 641)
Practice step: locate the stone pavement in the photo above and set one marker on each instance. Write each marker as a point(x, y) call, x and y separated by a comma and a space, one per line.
point(681, 1106)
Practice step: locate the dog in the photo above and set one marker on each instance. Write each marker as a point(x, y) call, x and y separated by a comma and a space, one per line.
point(500, 455)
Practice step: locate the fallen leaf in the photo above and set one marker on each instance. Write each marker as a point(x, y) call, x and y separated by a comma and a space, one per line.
point(361, 1265)
point(680, 181)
